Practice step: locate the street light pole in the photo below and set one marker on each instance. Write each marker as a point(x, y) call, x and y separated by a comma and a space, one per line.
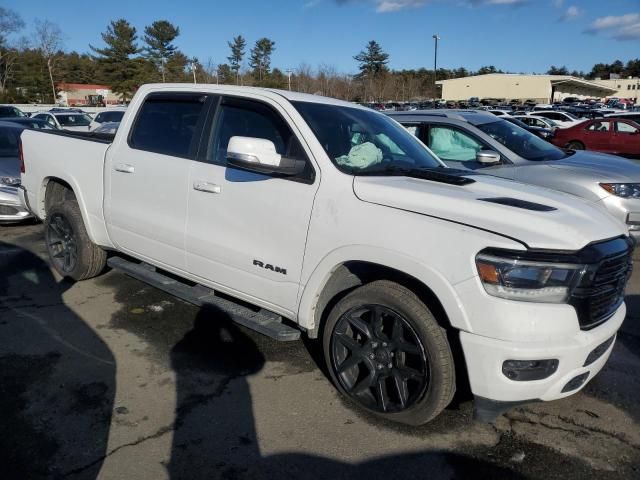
point(289, 71)
point(436, 37)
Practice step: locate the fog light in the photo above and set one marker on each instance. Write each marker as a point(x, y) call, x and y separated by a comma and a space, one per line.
point(527, 370)
point(575, 382)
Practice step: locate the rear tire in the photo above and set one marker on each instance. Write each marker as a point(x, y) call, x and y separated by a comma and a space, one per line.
point(70, 250)
point(575, 145)
point(386, 352)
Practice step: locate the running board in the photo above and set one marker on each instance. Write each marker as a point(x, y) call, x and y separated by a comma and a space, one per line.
point(263, 321)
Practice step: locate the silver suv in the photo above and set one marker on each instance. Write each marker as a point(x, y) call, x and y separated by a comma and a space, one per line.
point(474, 140)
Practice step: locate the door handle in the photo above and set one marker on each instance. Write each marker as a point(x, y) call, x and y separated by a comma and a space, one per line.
point(124, 168)
point(206, 187)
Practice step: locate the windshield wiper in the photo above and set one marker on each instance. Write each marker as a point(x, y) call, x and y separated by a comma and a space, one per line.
point(451, 176)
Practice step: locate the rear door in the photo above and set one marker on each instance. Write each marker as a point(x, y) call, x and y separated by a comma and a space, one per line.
point(147, 177)
point(626, 138)
point(246, 232)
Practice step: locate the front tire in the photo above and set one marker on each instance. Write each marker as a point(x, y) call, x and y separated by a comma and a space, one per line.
point(575, 145)
point(70, 250)
point(385, 350)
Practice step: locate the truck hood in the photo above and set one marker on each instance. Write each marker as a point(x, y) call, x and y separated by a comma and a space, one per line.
point(603, 167)
point(569, 223)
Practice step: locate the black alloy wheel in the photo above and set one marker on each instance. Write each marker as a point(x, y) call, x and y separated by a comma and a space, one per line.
point(379, 359)
point(62, 243)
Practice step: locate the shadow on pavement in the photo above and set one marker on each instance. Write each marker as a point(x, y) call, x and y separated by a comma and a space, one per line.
point(215, 434)
point(57, 377)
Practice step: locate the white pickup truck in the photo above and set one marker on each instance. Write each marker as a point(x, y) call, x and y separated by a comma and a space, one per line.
point(297, 213)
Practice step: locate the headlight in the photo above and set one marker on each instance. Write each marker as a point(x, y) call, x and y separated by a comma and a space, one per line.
point(625, 190)
point(527, 281)
point(10, 181)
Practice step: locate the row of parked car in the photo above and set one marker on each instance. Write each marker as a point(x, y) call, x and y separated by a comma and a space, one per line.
point(13, 122)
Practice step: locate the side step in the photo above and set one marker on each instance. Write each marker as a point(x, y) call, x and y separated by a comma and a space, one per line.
point(263, 321)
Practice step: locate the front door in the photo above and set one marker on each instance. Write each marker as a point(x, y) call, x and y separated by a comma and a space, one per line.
point(626, 138)
point(246, 232)
point(147, 178)
point(599, 136)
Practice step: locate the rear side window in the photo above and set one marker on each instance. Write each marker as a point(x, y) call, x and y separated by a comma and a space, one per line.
point(169, 124)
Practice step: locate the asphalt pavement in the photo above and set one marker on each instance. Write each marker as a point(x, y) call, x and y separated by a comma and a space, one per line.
point(113, 379)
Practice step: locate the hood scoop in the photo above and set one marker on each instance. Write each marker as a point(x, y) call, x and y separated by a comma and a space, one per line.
point(517, 203)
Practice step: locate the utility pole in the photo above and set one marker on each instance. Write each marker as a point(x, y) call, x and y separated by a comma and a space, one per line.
point(436, 37)
point(289, 75)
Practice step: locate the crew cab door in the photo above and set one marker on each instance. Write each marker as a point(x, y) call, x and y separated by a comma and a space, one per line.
point(147, 177)
point(246, 232)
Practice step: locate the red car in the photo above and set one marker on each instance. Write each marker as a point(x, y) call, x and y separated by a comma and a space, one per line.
point(608, 135)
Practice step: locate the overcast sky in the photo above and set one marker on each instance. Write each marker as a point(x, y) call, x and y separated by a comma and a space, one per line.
point(514, 35)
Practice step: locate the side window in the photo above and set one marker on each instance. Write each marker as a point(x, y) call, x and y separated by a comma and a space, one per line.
point(599, 127)
point(51, 120)
point(452, 144)
point(247, 118)
point(168, 124)
point(412, 129)
point(625, 128)
point(99, 118)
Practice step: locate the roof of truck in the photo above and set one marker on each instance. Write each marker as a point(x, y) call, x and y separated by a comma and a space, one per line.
point(207, 87)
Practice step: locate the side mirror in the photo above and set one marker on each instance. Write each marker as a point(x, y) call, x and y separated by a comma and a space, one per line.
point(488, 157)
point(259, 155)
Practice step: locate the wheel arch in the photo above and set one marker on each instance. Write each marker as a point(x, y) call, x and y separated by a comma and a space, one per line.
point(332, 280)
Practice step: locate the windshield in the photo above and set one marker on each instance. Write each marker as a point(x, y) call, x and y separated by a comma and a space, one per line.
point(360, 141)
point(77, 120)
point(10, 112)
point(520, 141)
point(9, 142)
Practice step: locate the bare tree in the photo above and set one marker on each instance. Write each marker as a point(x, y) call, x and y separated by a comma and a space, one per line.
point(48, 39)
point(10, 23)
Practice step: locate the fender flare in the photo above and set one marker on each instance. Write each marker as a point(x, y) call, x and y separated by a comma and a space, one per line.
point(406, 264)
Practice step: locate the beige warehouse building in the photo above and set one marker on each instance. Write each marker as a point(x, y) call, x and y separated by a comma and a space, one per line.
point(540, 88)
point(626, 87)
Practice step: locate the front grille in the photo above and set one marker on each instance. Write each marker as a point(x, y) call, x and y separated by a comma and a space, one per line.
point(7, 210)
point(601, 292)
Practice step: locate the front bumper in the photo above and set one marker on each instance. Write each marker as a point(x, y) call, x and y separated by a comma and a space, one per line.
point(12, 209)
point(485, 357)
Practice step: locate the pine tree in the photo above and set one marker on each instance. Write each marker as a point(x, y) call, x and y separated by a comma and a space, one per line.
point(116, 60)
point(260, 59)
point(159, 49)
point(237, 47)
point(373, 60)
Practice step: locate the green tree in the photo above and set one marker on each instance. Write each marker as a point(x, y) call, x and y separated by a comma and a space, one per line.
point(553, 70)
point(118, 65)
point(237, 46)
point(372, 60)
point(159, 37)
point(260, 59)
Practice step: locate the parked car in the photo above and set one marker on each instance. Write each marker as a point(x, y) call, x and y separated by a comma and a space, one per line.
point(30, 123)
point(477, 141)
point(107, 127)
point(609, 135)
point(563, 119)
point(72, 121)
point(11, 208)
point(500, 113)
point(633, 116)
point(9, 111)
point(110, 115)
point(221, 186)
point(537, 121)
point(544, 133)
